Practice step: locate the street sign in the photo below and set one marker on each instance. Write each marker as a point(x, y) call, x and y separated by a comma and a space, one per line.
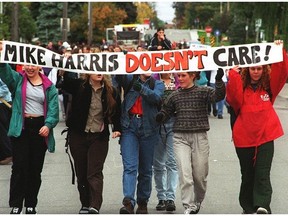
point(208, 29)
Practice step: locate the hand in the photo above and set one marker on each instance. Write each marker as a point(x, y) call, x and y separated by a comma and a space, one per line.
point(159, 117)
point(137, 86)
point(219, 75)
point(278, 42)
point(116, 134)
point(44, 131)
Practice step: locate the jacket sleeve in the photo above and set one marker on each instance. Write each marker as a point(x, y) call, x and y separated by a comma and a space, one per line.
point(52, 117)
point(279, 74)
point(153, 96)
point(10, 77)
point(234, 91)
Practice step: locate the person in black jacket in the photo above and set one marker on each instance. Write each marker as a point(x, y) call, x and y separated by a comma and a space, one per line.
point(159, 41)
point(95, 105)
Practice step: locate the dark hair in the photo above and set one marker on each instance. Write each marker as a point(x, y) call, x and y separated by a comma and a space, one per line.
point(160, 29)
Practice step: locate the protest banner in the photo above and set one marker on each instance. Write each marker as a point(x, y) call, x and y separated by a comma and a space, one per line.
point(185, 60)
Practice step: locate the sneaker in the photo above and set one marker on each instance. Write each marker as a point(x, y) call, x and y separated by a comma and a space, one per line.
point(31, 210)
point(262, 210)
point(16, 210)
point(170, 205)
point(161, 205)
point(84, 210)
point(220, 117)
point(93, 211)
point(127, 208)
point(193, 209)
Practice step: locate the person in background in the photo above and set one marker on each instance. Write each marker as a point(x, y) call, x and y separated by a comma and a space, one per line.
point(5, 115)
point(159, 41)
point(190, 140)
point(95, 105)
point(164, 164)
point(35, 113)
point(139, 109)
point(252, 94)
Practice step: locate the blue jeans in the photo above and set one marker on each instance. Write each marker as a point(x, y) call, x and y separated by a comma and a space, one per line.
point(164, 164)
point(137, 157)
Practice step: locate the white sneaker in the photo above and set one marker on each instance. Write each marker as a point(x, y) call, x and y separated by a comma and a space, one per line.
point(262, 210)
point(194, 209)
point(16, 210)
point(84, 210)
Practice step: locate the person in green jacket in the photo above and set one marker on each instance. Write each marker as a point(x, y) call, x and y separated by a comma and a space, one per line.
point(35, 113)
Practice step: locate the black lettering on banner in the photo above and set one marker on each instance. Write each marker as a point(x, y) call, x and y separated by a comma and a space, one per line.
point(243, 52)
point(255, 57)
point(232, 57)
point(57, 62)
point(40, 54)
point(113, 60)
point(69, 63)
point(10, 50)
point(216, 59)
point(21, 48)
point(29, 57)
point(81, 62)
point(94, 62)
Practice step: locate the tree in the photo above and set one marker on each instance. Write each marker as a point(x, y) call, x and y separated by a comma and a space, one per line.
point(48, 21)
point(144, 10)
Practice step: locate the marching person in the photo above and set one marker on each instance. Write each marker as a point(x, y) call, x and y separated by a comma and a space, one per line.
point(189, 106)
point(139, 136)
point(252, 94)
point(35, 113)
point(95, 105)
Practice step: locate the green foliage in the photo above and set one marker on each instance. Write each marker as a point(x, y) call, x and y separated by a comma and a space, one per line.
point(48, 21)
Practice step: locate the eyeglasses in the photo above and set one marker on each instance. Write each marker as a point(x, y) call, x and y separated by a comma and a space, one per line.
point(256, 68)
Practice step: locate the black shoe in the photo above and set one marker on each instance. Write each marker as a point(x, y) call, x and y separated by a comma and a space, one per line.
point(220, 117)
point(16, 210)
point(161, 206)
point(93, 211)
point(31, 210)
point(215, 112)
point(170, 205)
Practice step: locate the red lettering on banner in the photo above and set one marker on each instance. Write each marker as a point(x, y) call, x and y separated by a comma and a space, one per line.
point(177, 60)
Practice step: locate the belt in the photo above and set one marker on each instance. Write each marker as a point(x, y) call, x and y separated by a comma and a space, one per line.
point(135, 115)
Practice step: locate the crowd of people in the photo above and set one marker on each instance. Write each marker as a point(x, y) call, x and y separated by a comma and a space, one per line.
point(176, 105)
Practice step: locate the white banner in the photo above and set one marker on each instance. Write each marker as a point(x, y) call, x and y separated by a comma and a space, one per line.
point(185, 60)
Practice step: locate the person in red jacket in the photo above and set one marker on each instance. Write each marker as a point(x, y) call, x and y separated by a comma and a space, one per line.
point(251, 95)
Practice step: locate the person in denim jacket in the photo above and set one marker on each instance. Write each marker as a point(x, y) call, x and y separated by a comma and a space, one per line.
point(139, 109)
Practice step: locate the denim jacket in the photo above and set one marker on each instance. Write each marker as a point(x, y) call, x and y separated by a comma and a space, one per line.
point(150, 100)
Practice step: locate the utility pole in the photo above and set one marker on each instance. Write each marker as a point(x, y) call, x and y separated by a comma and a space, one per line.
point(1, 21)
point(15, 22)
point(64, 22)
point(90, 24)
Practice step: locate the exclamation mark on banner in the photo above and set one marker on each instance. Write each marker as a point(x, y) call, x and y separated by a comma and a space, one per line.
point(268, 48)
